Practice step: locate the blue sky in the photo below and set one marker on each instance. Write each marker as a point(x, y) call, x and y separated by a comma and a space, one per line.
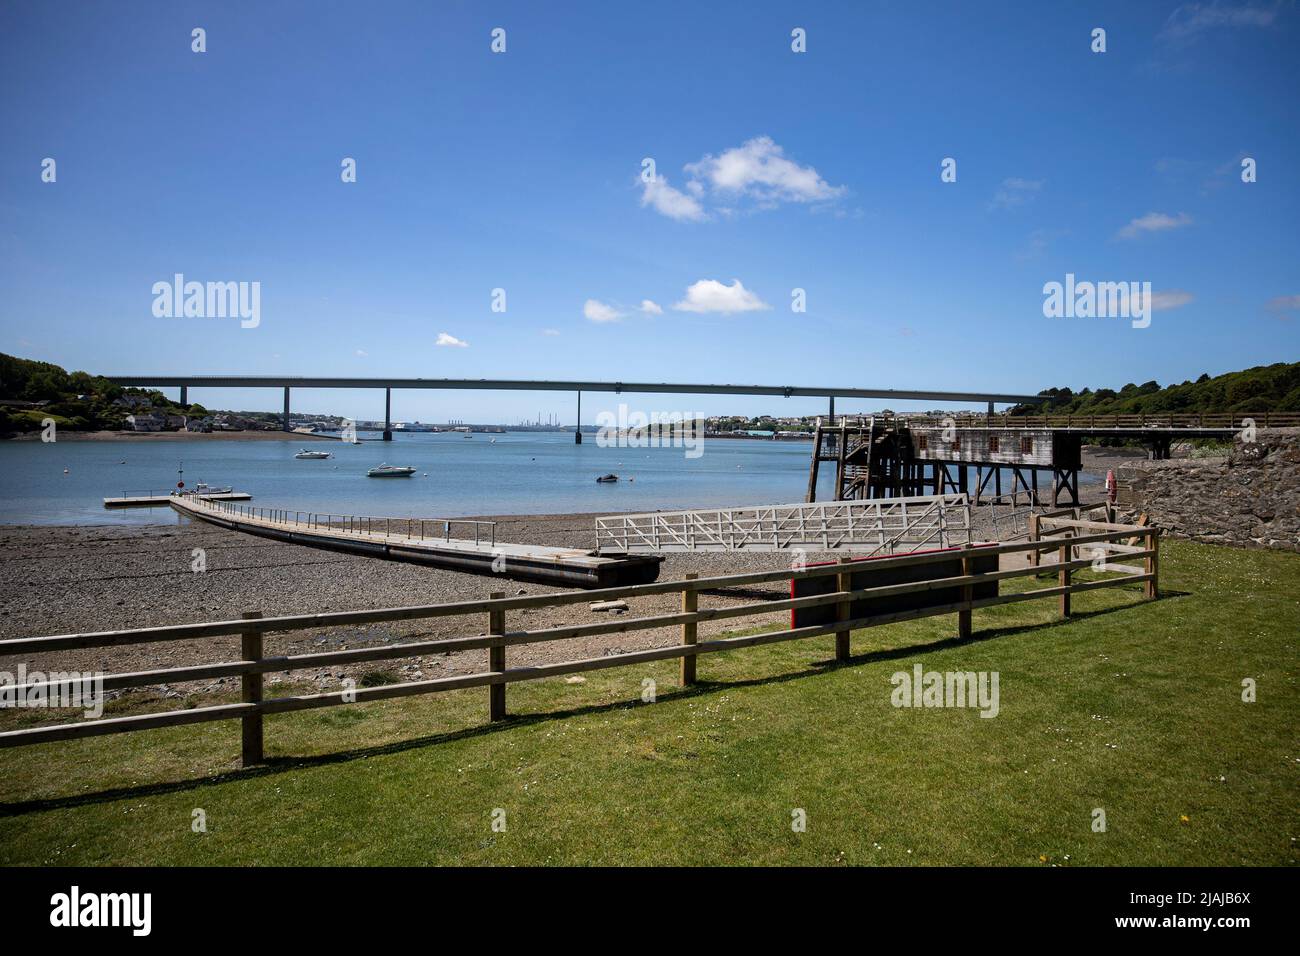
point(522, 171)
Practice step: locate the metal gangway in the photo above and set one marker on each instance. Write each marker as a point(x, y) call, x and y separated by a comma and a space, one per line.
point(876, 526)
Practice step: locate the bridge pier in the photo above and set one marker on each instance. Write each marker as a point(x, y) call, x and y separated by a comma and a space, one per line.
point(285, 425)
point(185, 396)
point(388, 414)
point(577, 429)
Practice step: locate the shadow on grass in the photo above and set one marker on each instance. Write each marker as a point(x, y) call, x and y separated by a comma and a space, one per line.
point(277, 765)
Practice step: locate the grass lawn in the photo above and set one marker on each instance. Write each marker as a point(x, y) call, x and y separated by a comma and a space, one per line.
point(1134, 708)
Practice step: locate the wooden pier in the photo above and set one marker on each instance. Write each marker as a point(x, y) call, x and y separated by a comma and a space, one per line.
point(429, 541)
point(155, 501)
point(892, 457)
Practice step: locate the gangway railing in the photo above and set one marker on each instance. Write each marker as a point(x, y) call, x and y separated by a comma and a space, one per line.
point(407, 529)
point(878, 526)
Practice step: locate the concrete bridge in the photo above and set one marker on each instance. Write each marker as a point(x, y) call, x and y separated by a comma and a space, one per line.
point(186, 382)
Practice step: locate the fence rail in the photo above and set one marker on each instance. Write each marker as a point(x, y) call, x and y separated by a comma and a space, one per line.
point(253, 664)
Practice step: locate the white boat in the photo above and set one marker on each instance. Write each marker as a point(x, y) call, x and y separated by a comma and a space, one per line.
point(391, 471)
point(314, 455)
point(203, 488)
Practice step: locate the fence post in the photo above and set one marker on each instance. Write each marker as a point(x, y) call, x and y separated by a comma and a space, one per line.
point(967, 593)
point(251, 693)
point(690, 604)
point(843, 611)
point(1063, 576)
point(1153, 564)
point(1033, 536)
point(497, 660)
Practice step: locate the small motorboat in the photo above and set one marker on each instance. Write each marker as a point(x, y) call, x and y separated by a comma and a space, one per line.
point(313, 455)
point(391, 471)
point(203, 488)
point(610, 477)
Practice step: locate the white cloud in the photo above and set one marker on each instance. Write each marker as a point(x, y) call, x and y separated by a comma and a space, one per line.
point(1154, 222)
point(1193, 18)
point(362, 353)
point(446, 339)
point(1170, 299)
point(671, 202)
point(600, 312)
point(650, 307)
point(759, 168)
point(710, 295)
point(550, 331)
point(1015, 191)
point(1283, 303)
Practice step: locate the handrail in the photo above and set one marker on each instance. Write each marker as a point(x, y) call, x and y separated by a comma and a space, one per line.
point(351, 524)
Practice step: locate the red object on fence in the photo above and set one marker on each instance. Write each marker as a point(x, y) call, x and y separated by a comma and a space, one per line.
point(1112, 489)
point(180, 484)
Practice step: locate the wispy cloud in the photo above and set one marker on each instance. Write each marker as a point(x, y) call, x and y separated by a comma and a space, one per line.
point(446, 339)
point(1169, 299)
point(550, 331)
point(1154, 222)
point(1283, 303)
point(650, 307)
point(757, 174)
point(1193, 19)
point(710, 295)
point(1015, 191)
point(598, 311)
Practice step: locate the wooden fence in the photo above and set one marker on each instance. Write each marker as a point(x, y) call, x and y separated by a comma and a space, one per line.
point(253, 663)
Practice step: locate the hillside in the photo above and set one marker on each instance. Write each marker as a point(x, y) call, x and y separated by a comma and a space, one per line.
point(1264, 388)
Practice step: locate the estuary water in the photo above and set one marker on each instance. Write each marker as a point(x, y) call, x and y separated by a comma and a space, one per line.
point(512, 473)
point(517, 473)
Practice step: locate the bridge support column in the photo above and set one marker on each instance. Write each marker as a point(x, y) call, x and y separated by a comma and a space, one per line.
point(185, 396)
point(577, 440)
point(388, 414)
point(285, 424)
point(831, 413)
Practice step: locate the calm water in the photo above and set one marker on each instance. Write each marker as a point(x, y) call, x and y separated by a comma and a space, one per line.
point(521, 473)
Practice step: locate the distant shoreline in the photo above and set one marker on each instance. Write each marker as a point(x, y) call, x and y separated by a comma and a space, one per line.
point(69, 435)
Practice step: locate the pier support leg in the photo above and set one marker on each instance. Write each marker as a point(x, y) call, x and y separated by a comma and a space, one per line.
point(831, 414)
point(185, 396)
point(577, 429)
point(388, 414)
point(285, 424)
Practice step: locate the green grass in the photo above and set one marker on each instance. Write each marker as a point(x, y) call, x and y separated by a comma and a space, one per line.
point(1131, 707)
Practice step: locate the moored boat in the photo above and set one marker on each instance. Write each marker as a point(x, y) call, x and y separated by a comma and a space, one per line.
point(314, 455)
point(390, 471)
